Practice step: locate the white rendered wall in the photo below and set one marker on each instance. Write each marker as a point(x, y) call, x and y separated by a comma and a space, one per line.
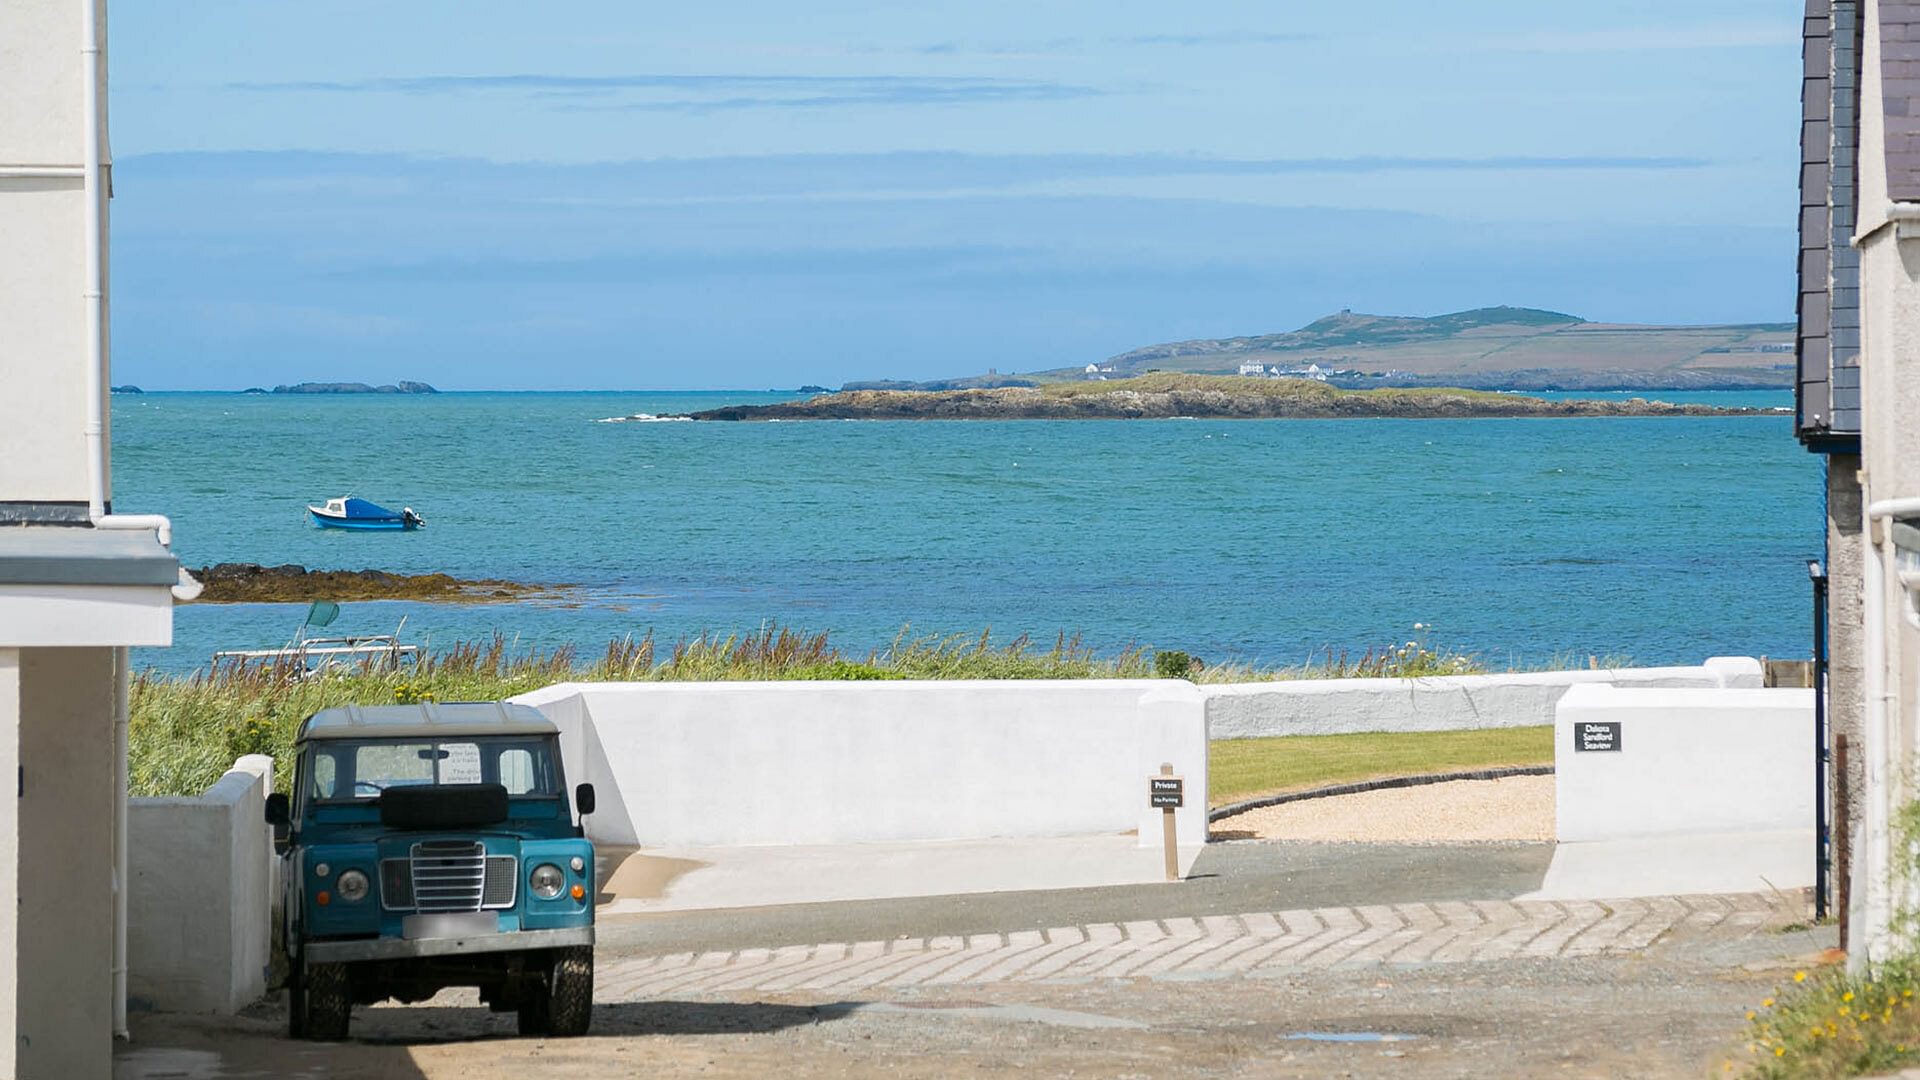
point(1443, 703)
point(1890, 469)
point(1690, 761)
point(737, 763)
point(42, 257)
point(198, 925)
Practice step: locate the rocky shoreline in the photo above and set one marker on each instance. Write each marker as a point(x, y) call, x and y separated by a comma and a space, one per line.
point(1200, 397)
point(251, 583)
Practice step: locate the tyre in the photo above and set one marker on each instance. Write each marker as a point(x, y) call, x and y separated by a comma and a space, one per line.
point(328, 1000)
point(560, 1001)
point(570, 990)
point(534, 1017)
point(296, 1003)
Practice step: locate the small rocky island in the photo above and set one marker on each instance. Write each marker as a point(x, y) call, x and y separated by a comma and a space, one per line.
point(1167, 395)
point(251, 583)
point(401, 387)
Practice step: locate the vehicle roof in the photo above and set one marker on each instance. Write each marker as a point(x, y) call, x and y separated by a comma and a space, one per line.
point(430, 718)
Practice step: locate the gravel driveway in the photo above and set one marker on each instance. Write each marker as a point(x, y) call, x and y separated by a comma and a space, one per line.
point(1463, 811)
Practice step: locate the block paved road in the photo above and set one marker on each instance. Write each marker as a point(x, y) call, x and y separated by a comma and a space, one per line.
point(1208, 946)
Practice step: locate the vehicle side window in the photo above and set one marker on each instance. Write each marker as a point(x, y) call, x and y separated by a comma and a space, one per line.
point(516, 770)
point(325, 776)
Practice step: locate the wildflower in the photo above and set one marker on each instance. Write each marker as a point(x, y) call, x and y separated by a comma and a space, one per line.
point(1767, 1004)
point(1779, 1051)
point(1848, 996)
point(1751, 1014)
point(1799, 976)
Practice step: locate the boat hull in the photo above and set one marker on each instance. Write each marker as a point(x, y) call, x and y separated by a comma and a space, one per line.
point(393, 524)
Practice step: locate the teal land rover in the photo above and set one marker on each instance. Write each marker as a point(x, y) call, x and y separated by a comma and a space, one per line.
point(428, 846)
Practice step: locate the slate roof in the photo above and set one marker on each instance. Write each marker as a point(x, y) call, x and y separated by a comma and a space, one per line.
point(1900, 95)
point(1828, 341)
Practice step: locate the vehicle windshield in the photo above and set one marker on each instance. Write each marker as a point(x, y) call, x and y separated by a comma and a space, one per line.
point(348, 770)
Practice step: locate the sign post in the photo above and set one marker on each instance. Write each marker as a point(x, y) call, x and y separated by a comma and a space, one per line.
point(1168, 792)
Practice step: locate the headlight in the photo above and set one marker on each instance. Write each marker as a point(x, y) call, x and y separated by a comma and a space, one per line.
point(546, 881)
point(352, 886)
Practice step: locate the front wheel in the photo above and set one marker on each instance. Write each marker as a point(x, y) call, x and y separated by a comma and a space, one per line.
point(322, 1003)
point(561, 1002)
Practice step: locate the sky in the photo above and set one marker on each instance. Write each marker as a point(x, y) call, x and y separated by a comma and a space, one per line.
point(621, 195)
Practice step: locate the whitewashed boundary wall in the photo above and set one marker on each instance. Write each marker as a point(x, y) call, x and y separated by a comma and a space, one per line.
point(739, 763)
point(1688, 761)
point(1441, 703)
point(201, 871)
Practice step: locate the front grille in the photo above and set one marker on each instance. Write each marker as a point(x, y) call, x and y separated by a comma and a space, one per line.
point(502, 876)
point(449, 875)
point(396, 884)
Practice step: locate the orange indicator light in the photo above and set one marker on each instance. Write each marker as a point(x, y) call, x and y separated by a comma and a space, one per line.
point(323, 898)
point(579, 892)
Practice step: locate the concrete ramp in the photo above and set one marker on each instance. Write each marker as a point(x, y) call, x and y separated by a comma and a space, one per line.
point(695, 879)
point(1681, 865)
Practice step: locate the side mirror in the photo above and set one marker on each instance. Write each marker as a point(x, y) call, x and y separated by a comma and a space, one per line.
point(583, 799)
point(279, 811)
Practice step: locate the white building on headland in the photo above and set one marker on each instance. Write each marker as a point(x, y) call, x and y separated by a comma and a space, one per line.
point(77, 584)
point(1253, 369)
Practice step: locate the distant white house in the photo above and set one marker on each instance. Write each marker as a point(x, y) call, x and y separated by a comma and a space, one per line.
point(1253, 369)
point(1311, 371)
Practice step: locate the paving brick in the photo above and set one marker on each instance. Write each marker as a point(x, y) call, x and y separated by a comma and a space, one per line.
point(1257, 944)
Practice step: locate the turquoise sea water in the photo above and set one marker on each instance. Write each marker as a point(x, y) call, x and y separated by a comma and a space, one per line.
point(1666, 540)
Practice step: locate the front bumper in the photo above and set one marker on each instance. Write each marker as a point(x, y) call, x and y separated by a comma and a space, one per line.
point(341, 952)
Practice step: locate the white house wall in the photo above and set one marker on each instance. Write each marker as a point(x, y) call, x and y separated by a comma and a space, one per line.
point(201, 868)
point(1441, 703)
point(43, 348)
point(716, 764)
point(1689, 761)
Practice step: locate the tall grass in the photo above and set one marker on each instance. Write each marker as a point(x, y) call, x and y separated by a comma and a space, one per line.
point(186, 731)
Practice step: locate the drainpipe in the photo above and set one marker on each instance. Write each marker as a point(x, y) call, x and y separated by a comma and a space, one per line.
point(122, 686)
point(93, 294)
point(1879, 726)
point(95, 290)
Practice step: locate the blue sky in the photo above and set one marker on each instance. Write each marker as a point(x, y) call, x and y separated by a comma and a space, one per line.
point(621, 195)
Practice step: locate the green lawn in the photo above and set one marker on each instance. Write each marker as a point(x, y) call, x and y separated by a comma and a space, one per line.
point(1243, 768)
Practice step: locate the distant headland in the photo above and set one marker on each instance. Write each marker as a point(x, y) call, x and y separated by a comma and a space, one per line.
point(1492, 348)
point(1166, 395)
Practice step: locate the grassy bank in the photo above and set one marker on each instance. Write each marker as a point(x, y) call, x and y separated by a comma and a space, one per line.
point(1247, 768)
point(187, 730)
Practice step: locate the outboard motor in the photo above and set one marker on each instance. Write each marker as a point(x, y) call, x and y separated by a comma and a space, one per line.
point(411, 519)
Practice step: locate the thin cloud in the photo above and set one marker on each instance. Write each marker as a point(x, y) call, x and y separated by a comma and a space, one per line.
point(700, 93)
point(1242, 37)
point(1650, 39)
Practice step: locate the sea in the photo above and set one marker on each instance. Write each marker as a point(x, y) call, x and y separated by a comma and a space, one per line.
point(1270, 542)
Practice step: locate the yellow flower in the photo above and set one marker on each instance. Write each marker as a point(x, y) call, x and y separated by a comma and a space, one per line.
point(1848, 996)
point(1751, 1014)
point(1799, 976)
point(1767, 1004)
point(1779, 1051)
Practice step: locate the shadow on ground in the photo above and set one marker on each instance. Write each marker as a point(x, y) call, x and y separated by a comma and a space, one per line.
point(423, 1025)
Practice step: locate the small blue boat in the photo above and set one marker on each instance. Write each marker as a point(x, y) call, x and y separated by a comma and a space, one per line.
point(352, 513)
